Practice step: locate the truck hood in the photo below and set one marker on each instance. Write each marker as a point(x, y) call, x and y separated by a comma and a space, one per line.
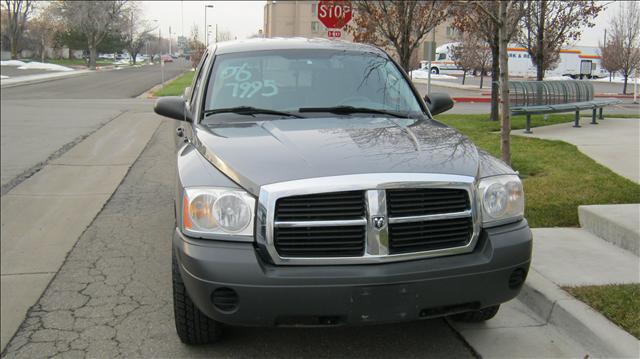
point(262, 152)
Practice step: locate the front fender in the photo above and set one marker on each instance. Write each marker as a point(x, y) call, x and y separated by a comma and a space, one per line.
point(193, 170)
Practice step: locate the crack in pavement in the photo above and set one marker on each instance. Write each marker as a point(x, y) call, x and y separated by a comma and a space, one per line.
point(112, 295)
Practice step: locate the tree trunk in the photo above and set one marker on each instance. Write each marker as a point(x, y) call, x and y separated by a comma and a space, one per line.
point(495, 77)
point(540, 42)
point(14, 47)
point(505, 128)
point(624, 88)
point(464, 75)
point(92, 57)
point(404, 61)
point(42, 52)
point(481, 78)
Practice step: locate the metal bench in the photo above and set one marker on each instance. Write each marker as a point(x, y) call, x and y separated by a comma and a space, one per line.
point(541, 97)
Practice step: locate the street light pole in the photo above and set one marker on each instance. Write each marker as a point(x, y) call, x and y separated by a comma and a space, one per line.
point(206, 29)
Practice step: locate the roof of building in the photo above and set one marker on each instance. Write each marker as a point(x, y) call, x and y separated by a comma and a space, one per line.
point(280, 43)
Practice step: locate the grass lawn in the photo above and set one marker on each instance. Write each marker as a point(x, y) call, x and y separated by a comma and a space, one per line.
point(177, 86)
point(557, 177)
point(618, 302)
point(78, 62)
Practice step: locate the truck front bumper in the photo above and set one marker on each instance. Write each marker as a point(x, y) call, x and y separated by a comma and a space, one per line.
point(231, 283)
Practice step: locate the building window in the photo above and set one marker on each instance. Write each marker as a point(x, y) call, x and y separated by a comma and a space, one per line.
point(315, 26)
point(313, 8)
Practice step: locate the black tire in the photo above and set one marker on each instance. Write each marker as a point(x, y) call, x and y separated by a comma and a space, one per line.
point(476, 316)
point(435, 70)
point(193, 327)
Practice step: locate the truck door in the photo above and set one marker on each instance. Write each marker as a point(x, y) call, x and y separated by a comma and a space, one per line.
point(585, 68)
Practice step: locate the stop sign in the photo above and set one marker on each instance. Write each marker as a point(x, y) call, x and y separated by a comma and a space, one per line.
point(334, 14)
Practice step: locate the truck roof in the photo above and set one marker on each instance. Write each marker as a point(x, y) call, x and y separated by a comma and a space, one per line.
point(292, 43)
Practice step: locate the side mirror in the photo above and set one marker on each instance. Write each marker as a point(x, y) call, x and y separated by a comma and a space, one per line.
point(187, 93)
point(438, 102)
point(172, 107)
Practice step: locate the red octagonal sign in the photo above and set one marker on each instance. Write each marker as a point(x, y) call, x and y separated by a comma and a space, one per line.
point(334, 14)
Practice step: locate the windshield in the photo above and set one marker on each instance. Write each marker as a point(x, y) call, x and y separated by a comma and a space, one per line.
point(293, 79)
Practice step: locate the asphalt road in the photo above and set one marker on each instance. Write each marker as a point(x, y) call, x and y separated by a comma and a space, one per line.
point(112, 296)
point(110, 84)
point(41, 120)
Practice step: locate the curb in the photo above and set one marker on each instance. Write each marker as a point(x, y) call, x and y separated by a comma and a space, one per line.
point(472, 99)
point(149, 93)
point(590, 328)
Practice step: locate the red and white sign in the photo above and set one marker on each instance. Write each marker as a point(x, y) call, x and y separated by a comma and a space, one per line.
point(334, 14)
point(334, 34)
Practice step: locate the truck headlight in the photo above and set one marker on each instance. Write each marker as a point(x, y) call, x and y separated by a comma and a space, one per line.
point(502, 199)
point(207, 212)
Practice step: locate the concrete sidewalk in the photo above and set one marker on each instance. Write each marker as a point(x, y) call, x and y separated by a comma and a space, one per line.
point(43, 217)
point(614, 143)
point(568, 257)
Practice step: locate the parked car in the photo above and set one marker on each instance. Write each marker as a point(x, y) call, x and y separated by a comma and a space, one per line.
point(166, 58)
point(314, 187)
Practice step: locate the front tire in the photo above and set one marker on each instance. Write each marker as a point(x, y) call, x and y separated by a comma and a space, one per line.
point(193, 327)
point(435, 70)
point(477, 316)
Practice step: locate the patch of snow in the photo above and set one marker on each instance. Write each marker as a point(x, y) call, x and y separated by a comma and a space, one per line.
point(122, 62)
point(616, 79)
point(12, 63)
point(43, 66)
point(556, 78)
point(4, 77)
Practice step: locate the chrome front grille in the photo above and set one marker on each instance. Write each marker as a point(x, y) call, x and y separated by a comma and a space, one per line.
point(321, 207)
point(423, 201)
point(367, 218)
point(325, 240)
point(410, 237)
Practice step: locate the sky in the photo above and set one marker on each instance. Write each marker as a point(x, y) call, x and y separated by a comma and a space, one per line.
point(241, 18)
point(245, 18)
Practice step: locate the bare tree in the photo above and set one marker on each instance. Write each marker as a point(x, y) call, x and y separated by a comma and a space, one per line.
point(476, 22)
point(463, 56)
point(509, 14)
point(609, 59)
point(42, 29)
point(623, 50)
point(548, 25)
point(401, 25)
point(472, 54)
point(93, 18)
point(136, 31)
point(224, 35)
point(18, 12)
point(196, 47)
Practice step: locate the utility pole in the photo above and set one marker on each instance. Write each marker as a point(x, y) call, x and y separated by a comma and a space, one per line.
point(170, 40)
point(433, 42)
point(206, 29)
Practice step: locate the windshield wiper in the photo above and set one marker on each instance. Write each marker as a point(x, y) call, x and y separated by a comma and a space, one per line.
point(351, 109)
point(249, 110)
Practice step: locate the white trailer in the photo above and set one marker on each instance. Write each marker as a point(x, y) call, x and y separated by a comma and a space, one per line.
point(576, 62)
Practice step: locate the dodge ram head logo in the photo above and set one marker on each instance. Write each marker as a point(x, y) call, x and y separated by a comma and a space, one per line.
point(378, 222)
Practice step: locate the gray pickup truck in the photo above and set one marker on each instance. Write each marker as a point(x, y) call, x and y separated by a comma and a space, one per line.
point(314, 188)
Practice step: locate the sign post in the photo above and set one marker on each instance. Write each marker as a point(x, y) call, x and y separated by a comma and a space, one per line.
point(334, 14)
